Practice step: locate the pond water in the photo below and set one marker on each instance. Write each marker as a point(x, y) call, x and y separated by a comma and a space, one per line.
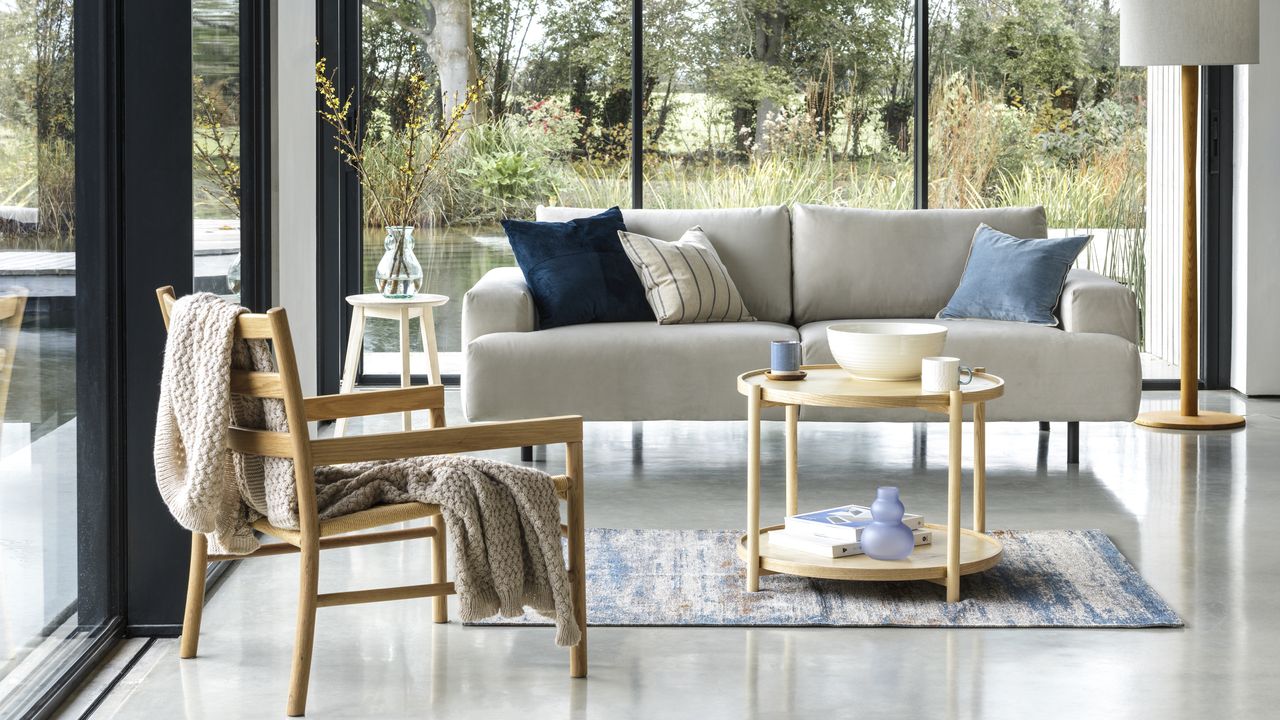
point(453, 259)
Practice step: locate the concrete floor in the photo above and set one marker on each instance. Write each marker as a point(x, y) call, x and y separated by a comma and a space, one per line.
point(1194, 513)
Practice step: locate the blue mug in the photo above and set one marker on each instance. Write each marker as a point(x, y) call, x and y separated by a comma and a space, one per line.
point(784, 357)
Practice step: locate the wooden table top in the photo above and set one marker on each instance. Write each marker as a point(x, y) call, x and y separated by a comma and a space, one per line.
point(377, 299)
point(832, 386)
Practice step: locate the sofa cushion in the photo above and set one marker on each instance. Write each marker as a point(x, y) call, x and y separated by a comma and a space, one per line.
point(577, 270)
point(1049, 374)
point(853, 263)
point(617, 371)
point(1015, 279)
point(685, 281)
point(754, 243)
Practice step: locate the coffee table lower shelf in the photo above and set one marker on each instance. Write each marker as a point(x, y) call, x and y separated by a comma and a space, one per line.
point(978, 552)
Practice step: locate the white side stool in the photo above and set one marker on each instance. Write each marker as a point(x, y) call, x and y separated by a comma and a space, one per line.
point(374, 305)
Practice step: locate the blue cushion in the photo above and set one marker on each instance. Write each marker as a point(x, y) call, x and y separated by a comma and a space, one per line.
point(577, 271)
point(1008, 278)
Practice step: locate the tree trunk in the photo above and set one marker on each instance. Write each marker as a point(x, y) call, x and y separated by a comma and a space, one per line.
point(767, 49)
point(453, 51)
point(664, 112)
point(743, 117)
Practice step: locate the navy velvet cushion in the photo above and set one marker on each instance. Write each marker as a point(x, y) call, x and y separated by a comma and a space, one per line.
point(1008, 278)
point(577, 271)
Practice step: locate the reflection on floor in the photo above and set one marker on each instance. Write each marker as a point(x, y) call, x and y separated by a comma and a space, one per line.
point(37, 541)
point(1193, 513)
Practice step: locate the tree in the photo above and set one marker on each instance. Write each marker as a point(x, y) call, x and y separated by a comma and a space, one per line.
point(444, 28)
point(501, 33)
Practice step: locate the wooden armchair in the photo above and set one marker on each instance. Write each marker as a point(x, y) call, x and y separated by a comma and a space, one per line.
point(314, 535)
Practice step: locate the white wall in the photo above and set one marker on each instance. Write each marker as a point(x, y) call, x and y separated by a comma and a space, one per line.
point(293, 181)
point(1255, 355)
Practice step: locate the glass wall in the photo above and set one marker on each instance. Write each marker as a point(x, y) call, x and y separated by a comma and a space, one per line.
point(752, 103)
point(38, 510)
point(1029, 106)
point(215, 95)
point(550, 125)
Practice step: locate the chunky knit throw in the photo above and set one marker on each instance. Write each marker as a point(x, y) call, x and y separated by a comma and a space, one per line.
point(503, 520)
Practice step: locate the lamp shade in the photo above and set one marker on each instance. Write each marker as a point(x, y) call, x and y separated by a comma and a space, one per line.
point(1188, 32)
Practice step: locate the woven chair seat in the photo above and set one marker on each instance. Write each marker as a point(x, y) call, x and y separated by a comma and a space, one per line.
point(376, 516)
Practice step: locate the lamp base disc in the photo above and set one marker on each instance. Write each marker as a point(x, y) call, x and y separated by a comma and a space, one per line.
point(1174, 420)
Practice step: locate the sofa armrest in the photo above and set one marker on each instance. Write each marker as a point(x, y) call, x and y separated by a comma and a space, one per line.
point(1092, 303)
point(499, 302)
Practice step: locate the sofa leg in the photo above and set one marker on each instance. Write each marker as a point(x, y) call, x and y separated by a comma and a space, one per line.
point(1044, 426)
point(637, 442)
point(1073, 443)
point(526, 453)
point(920, 445)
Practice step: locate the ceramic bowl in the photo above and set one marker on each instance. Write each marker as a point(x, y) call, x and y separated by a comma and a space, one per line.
point(887, 351)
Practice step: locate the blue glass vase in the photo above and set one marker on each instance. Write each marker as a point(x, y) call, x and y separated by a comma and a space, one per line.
point(887, 537)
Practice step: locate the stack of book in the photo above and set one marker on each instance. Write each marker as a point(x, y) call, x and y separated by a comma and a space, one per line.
point(837, 532)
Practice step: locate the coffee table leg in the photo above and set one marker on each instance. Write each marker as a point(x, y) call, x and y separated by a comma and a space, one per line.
point(956, 433)
point(753, 490)
point(793, 459)
point(980, 467)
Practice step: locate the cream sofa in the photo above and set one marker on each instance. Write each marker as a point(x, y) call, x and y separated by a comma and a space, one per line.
point(799, 271)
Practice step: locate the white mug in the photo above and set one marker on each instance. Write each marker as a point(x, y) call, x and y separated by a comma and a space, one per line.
point(943, 374)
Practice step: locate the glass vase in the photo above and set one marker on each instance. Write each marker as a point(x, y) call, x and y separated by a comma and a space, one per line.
point(399, 274)
point(887, 537)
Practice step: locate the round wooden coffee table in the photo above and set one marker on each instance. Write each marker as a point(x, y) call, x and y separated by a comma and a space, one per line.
point(955, 551)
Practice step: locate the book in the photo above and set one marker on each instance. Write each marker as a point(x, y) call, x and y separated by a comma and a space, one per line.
point(841, 523)
point(826, 547)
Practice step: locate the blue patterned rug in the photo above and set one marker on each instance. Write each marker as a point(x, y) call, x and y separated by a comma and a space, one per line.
point(1047, 578)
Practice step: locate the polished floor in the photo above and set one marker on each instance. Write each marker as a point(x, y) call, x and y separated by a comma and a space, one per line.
point(1195, 513)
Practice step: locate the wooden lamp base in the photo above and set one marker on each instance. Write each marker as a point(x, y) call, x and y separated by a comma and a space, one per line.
point(1188, 416)
point(1203, 420)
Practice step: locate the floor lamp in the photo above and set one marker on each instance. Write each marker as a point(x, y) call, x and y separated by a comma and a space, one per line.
point(1189, 33)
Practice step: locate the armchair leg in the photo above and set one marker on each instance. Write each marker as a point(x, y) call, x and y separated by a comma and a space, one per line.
point(1073, 443)
point(304, 637)
point(526, 453)
point(577, 557)
point(1044, 426)
point(195, 596)
point(440, 603)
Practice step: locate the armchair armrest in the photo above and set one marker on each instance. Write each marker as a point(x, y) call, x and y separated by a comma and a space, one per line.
point(499, 302)
point(442, 441)
point(374, 402)
point(1096, 304)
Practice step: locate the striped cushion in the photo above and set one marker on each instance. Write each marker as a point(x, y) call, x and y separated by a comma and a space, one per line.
point(684, 281)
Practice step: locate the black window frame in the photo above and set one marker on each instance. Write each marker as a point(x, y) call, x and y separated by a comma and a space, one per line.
point(339, 264)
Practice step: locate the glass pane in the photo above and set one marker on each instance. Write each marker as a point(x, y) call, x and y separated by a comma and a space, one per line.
point(38, 513)
point(1029, 106)
point(753, 103)
point(215, 94)
point(551, 126)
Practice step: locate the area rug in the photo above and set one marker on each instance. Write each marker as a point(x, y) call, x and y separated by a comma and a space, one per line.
point(1047, 578)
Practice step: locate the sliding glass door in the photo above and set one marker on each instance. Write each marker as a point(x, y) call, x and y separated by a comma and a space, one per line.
point(107, 153)
point(743, 102)
point(52, 603)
